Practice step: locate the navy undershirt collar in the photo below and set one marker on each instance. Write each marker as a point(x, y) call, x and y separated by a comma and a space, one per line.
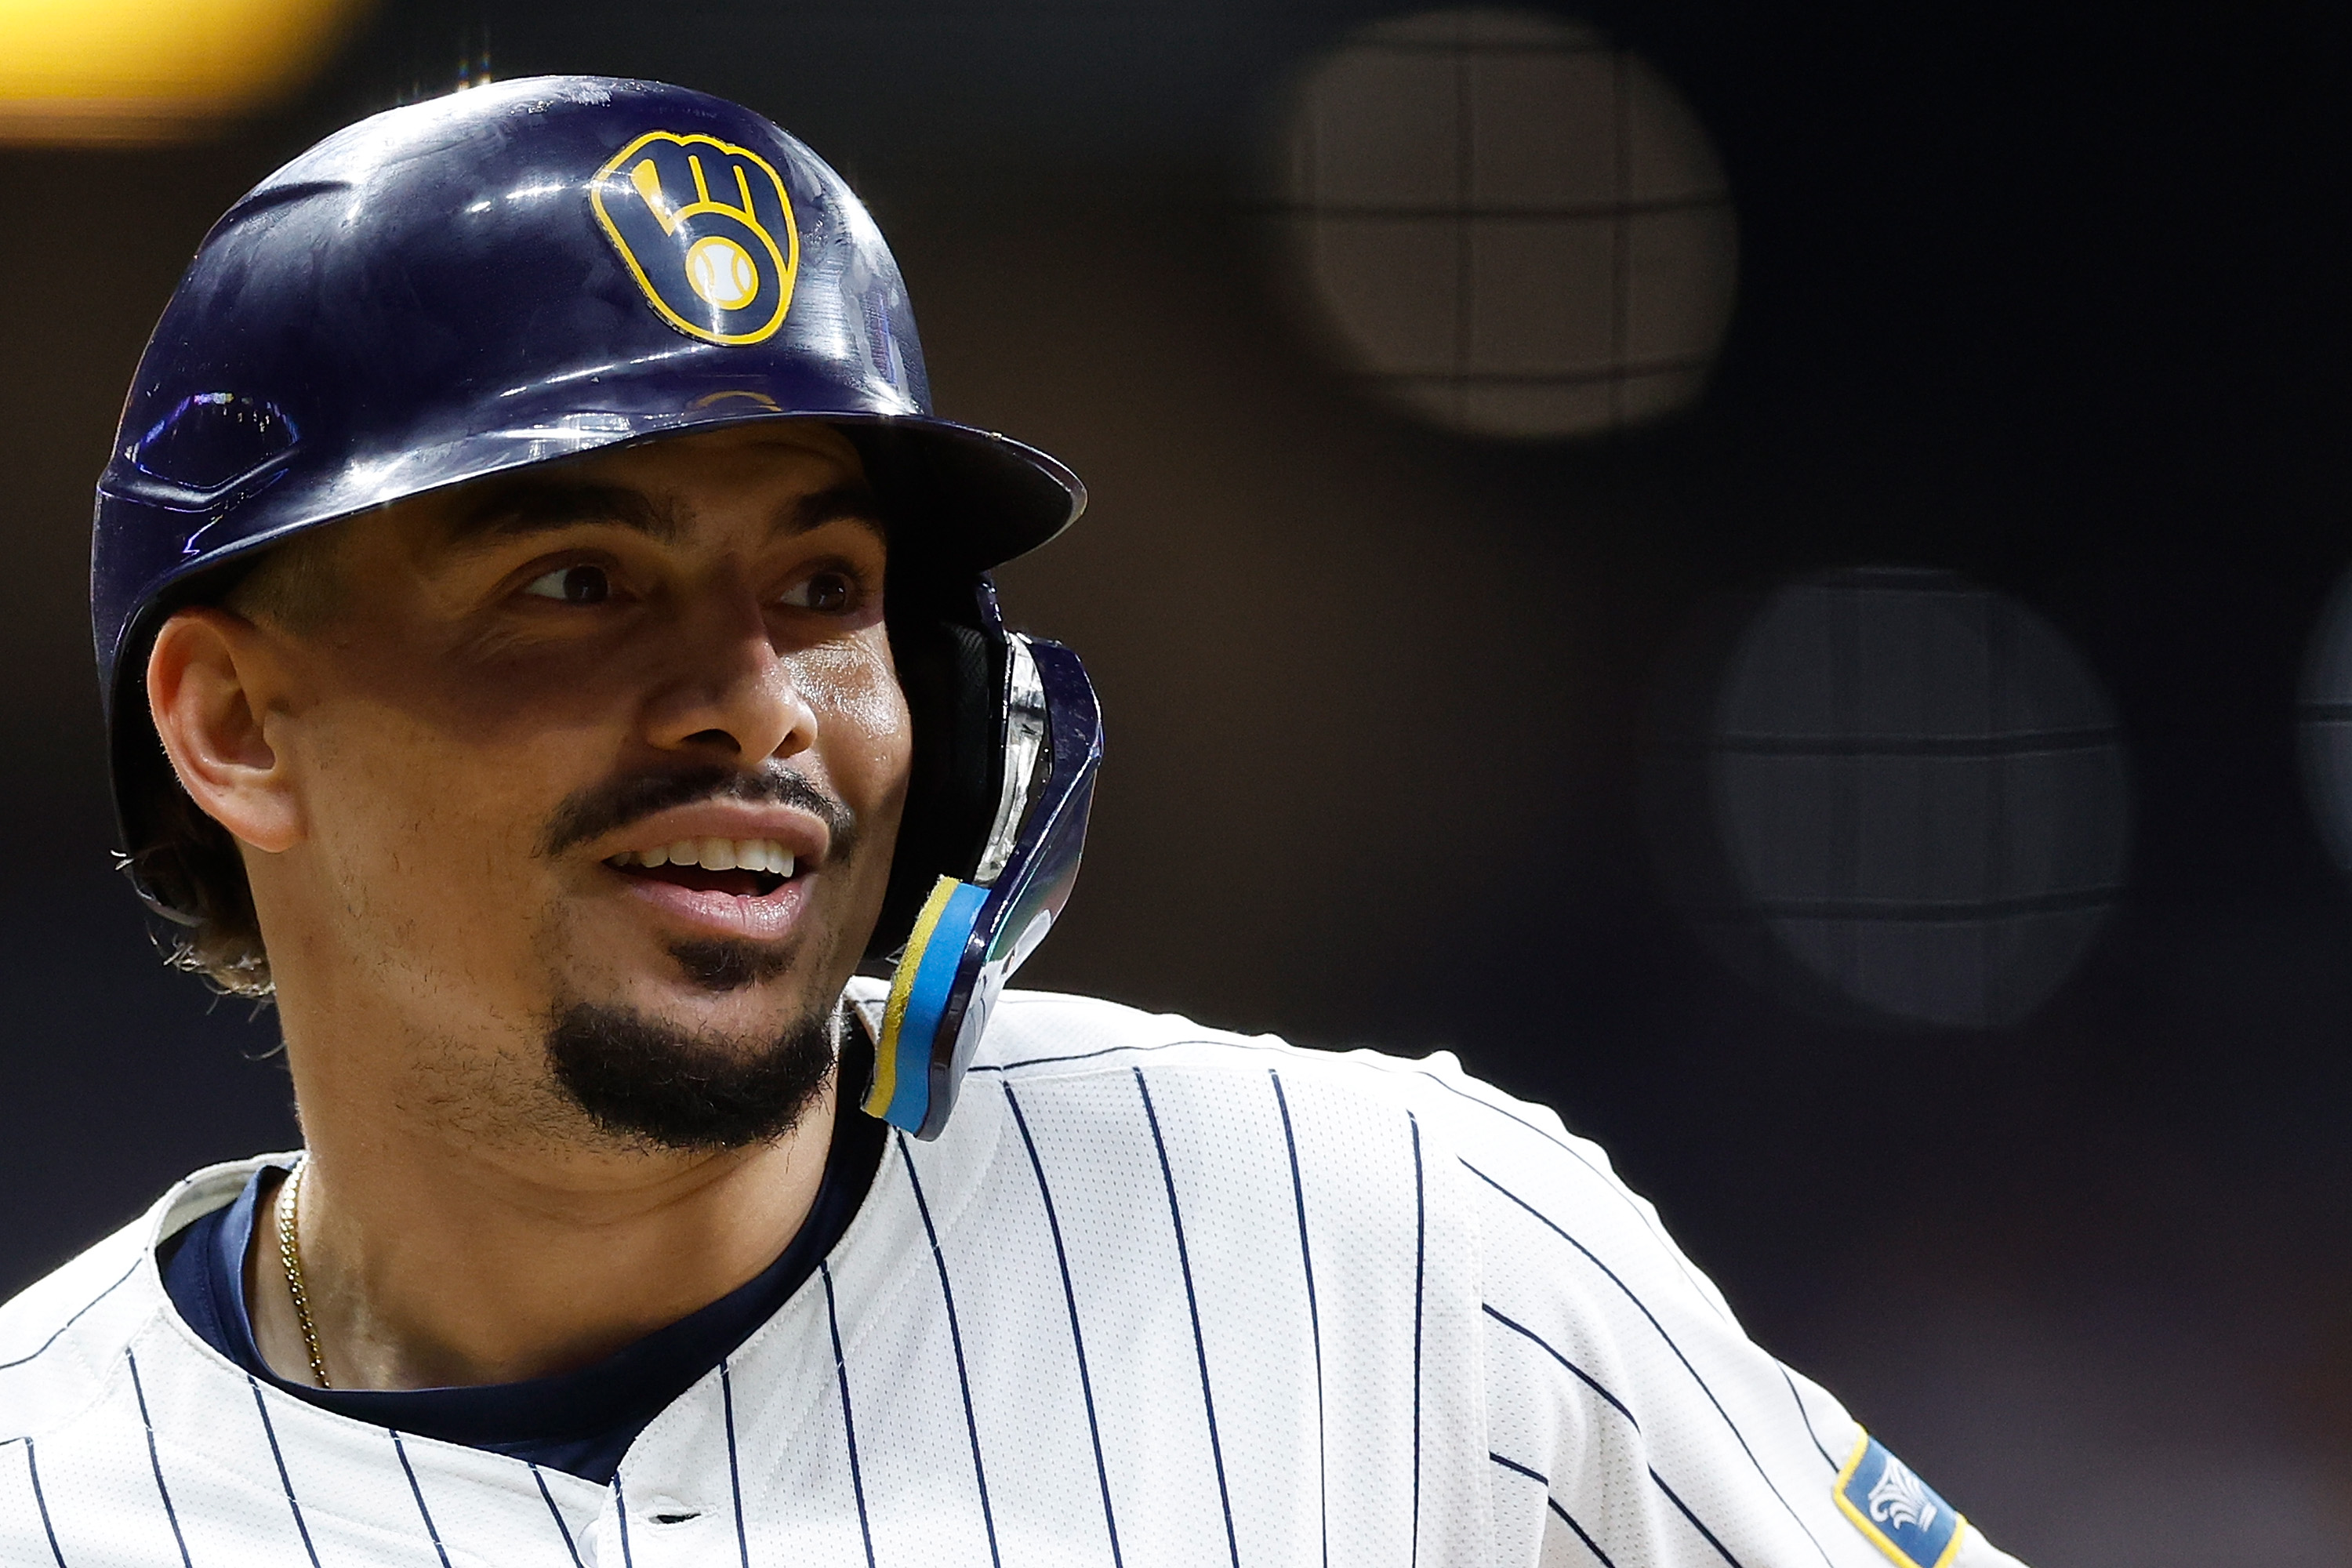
point(579, 1422)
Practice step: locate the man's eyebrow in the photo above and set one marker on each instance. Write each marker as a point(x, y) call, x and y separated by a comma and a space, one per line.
point(525, 507)
point(853, 502)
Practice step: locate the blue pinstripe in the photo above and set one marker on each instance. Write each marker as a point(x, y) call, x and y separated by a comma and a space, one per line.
point(1078, 1339)
point(155, 1459)
point(955, 1338)
point(1513, 1465)
point(549, 1497)
point(419, 1493)
point(69, 1323)
point(1619, 1406)
point(1643, 1308)
point(41, 1503)
point(1799, 1400)
point(734, 1468)
point(416, 1491)
point(1569, 1519)
point(1420, 1283)
point(848, 1425)
point(269, 1430)
point(1192, 1305)
point(1544, 1345)
point(1565, 1518)
point(1721, 1550)
point(1458, 1092)
point(1314, 1317)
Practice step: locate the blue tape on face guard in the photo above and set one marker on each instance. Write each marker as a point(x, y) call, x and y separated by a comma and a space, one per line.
point(970, 939)
point(902, 1068)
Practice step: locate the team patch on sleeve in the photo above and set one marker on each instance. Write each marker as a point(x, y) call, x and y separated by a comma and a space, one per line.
point(1890, 1504)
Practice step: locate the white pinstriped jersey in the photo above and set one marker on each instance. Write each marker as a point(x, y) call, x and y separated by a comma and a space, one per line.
point(1158, 1296)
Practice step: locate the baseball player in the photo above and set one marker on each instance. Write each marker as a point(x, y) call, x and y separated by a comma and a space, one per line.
point(548, 647)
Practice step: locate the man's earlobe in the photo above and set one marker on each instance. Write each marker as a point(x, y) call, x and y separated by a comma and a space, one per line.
point(211, 686)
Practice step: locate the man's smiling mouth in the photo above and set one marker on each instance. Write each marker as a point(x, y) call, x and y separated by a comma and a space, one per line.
point(747, 867)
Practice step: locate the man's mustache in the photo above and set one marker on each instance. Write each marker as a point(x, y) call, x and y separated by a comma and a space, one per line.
point(606, 807)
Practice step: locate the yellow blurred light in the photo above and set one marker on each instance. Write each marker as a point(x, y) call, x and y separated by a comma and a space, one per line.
point(83, 71)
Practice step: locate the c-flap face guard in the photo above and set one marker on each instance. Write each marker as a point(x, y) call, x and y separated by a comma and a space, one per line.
point(971, 936)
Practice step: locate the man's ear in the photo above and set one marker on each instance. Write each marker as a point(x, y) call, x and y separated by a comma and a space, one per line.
point(212, 683)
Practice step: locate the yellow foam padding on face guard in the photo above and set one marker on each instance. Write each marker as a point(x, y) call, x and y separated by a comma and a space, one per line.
point(902, 987)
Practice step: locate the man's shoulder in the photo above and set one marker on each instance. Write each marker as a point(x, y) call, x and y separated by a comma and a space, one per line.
point(1042, 1039)
point(1350, 1117)
point(1044, 1036)
point(62, 1336)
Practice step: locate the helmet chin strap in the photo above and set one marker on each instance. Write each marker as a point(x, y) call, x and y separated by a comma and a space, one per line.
point(972, 935)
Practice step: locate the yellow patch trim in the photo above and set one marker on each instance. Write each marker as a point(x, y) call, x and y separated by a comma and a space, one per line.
point(902, 987)
point(645, 179)
point(1869, 1526)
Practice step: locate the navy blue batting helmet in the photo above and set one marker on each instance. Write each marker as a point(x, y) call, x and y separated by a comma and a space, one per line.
point(526, 272)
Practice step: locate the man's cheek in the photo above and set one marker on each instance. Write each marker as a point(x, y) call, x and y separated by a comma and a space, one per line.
point(413, 827)
point(854, 690)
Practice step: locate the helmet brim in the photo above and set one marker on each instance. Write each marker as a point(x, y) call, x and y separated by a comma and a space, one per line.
point(973, 499)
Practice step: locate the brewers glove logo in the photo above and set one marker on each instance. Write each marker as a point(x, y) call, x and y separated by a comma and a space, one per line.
point(707, 230)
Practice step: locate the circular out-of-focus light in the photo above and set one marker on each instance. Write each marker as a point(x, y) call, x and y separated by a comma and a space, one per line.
point(1899, 793)
point(95, 71)
point(1508, 226)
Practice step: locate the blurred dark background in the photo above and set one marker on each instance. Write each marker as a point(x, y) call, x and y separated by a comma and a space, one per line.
point(2050, 298)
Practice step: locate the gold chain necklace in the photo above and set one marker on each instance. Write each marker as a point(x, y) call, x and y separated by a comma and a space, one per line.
point(289, 1253)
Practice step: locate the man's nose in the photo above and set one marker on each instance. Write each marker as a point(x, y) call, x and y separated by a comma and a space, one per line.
point(732, 690)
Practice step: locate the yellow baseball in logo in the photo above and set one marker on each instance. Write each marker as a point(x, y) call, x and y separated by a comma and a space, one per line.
point(723, 272)
point(706, 230)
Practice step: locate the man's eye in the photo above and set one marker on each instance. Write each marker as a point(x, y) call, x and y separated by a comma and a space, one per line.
point(831, 592)
point(573, 585)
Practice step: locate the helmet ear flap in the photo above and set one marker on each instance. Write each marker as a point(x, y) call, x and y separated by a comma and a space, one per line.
point(948, 645)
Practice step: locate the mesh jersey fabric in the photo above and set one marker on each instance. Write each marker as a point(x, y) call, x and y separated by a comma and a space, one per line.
point(1157, 1295)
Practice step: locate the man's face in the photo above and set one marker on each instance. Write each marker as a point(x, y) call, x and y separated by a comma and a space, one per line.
point(599, 769)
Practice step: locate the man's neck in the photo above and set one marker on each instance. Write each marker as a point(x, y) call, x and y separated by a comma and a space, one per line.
point(431, 1262)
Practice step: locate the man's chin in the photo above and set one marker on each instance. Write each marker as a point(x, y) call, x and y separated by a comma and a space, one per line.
point(649, 1079)
point(721, 965)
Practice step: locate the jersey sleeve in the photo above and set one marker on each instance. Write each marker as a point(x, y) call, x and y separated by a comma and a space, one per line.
point(1632, 1420)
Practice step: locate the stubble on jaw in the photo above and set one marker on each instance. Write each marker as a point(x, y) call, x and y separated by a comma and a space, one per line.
point(601, 1079)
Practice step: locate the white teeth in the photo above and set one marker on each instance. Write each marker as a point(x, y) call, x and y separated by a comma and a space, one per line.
point(764, 855)
point(715, 854)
